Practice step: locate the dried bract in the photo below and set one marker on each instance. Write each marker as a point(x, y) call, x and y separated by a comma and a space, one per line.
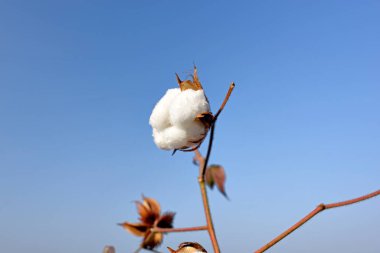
point(150, 218)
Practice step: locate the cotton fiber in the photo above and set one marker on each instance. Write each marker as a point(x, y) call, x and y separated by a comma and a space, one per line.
point(174, 119)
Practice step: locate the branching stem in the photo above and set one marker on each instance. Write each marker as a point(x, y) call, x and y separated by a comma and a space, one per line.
point(317, 210)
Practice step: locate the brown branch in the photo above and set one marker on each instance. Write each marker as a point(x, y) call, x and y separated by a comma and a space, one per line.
point(174, 230)
point(317, 210)
point(210, 226)
point(353, 201)
point(232, 86)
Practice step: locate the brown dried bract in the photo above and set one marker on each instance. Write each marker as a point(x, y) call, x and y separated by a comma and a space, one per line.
point(150, 217)
point(194, 84)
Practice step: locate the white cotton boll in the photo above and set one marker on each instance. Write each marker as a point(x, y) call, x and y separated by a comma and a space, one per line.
point(174, 121)
point(170, 138)
point(160, 115)
point(186, 106)
point(195, 131)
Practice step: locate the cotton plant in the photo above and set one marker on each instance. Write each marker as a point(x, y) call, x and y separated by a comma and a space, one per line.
point(180, 121)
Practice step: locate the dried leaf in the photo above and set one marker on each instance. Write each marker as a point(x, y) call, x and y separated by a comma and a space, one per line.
point(195, 84)
point(209, 178)
point(215, 174)
point(166, 220)
point(137, 229)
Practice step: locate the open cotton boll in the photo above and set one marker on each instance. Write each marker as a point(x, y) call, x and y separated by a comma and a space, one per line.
point(195, 132)
point(182, 117)
point(186, 106)
point(170, 138)
point(174, 119)
point(160, 115)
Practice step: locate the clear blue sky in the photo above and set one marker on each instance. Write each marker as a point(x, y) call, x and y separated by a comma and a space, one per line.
point(78, 81)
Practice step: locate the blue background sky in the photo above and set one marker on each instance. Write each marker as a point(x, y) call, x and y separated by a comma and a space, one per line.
point(78, 81)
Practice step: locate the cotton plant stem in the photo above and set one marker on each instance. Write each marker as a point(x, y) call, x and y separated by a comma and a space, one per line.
point(210, 225)
point(176, 230)
point(317, 210)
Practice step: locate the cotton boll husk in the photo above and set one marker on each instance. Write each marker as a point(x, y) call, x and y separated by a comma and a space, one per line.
point(186, 106)
point(170, 138)
point(159, 118)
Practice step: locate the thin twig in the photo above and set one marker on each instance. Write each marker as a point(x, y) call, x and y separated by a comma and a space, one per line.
point(174, 230)
point(232, 86)
point(317, 210)
point(353, 201)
